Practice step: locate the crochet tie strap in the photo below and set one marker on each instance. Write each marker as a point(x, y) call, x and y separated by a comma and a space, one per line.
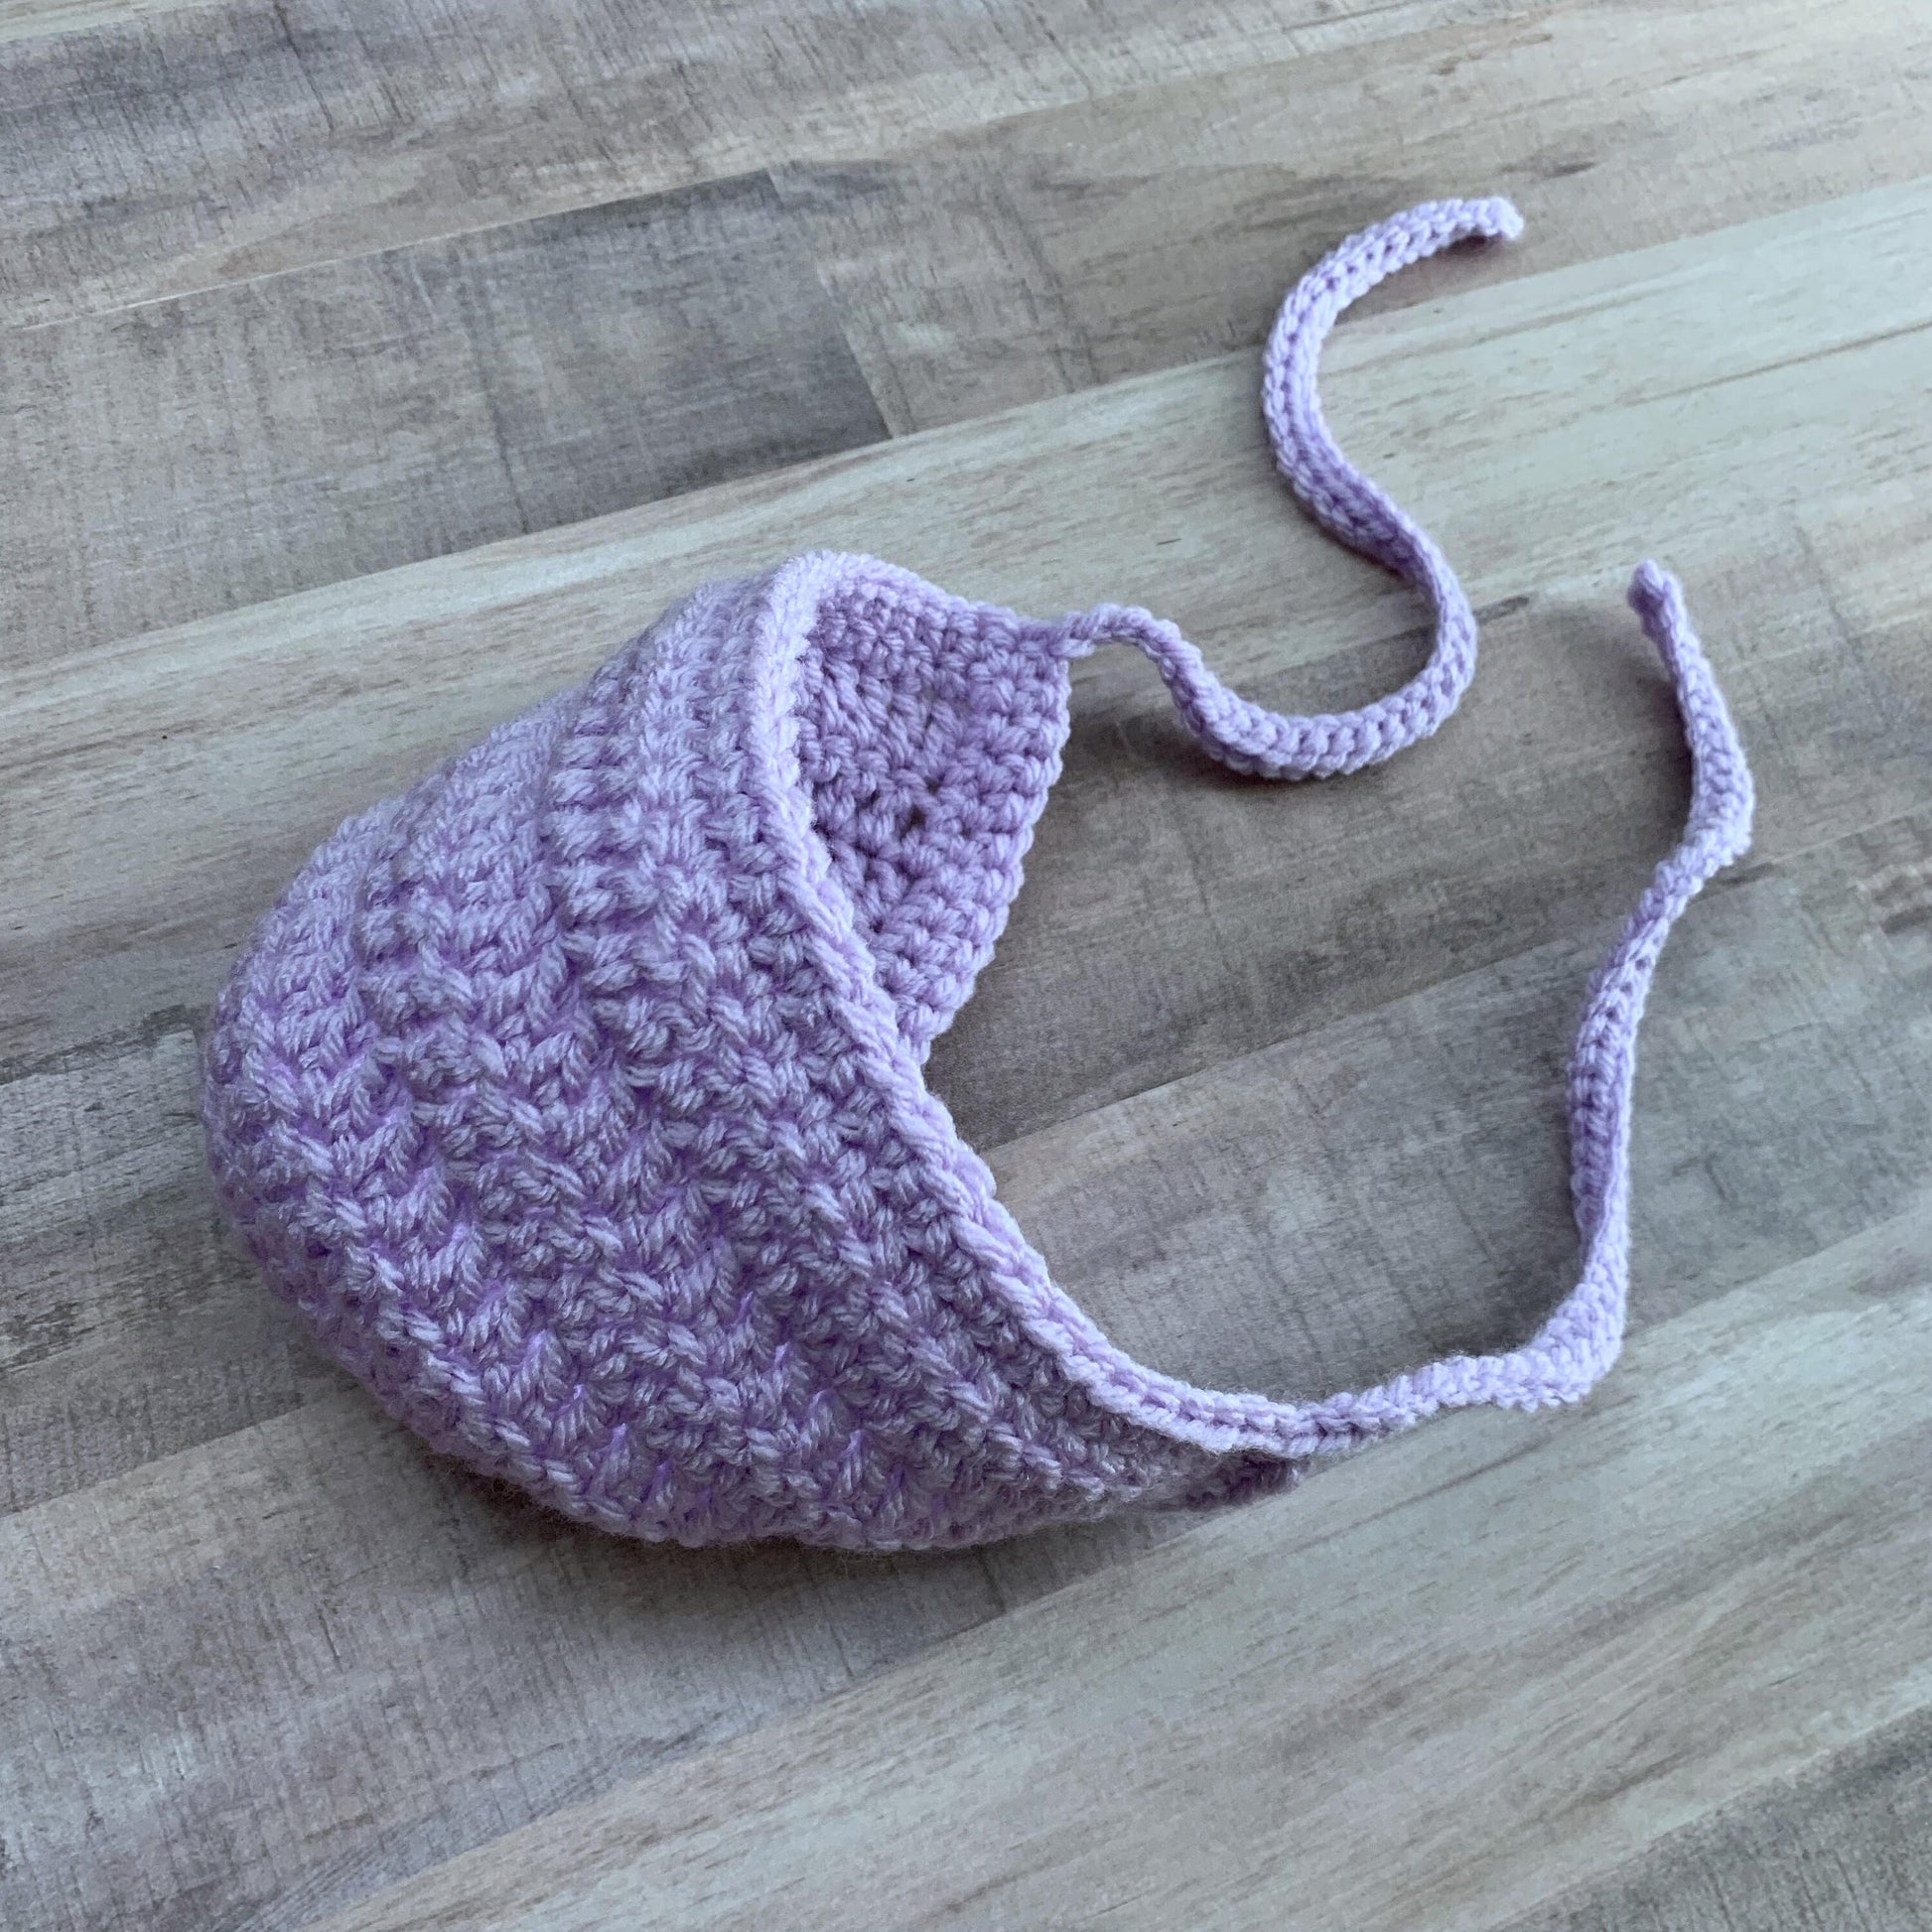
point(1582, 1337)
point(1343, 500)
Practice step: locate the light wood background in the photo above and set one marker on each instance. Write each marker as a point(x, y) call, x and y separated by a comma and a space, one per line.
point(370, 367)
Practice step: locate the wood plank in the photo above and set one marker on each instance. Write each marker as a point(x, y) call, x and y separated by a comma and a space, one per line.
point(1435, 1686)
point(1317, 1212)
point(314, 1592)
point(21, 19)
point(235, 446)
point(231, 446)
point(1271, 1074)
point(110, 1245)
point(256, 1600)
point(1051, 252)
point(1841, 1844)
point(133, 1324)
point(454, 1658)
point(1328, 1210)
point(181, 148)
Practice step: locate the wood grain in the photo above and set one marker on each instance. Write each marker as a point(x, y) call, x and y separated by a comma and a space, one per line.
point(1321, 1212)
point(247, 739)
point(132, 1324)
point(1391, 1184)
point(344, 417)
point(259, 439)
point(407, 1659)
point(171, 149)
point(1081, 243)
point(1831, 1848)
point(1394, 1135)
point(293, 293)
point(244, 740)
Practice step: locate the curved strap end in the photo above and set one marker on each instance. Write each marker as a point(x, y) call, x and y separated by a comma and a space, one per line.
point(1496, 218)
point(1723, 797)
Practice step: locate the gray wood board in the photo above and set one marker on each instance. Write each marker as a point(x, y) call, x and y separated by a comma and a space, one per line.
point(258, 438)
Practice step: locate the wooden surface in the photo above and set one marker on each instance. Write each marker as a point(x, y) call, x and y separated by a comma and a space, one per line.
point(371, 370)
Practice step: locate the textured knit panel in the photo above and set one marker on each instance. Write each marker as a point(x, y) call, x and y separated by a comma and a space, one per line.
point(536, 1101)
point(928, 749)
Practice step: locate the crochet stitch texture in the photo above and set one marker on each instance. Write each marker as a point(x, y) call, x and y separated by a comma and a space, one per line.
point(574, 1099)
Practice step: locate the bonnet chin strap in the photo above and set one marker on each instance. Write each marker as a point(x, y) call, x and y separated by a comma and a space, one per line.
point(1582, 1337)
point(1341, 497)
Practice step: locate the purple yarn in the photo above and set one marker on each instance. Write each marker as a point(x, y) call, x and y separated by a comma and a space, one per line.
point(574, 1099)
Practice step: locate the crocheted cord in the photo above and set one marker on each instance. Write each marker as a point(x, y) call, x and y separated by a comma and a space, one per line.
point(1343, 500)
point(1583, 1335)
point(574, 1100)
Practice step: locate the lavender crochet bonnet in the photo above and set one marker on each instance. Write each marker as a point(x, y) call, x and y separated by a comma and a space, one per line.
point(574, 1099)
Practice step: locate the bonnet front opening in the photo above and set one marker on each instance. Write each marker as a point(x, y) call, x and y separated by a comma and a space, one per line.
point(928, 732)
